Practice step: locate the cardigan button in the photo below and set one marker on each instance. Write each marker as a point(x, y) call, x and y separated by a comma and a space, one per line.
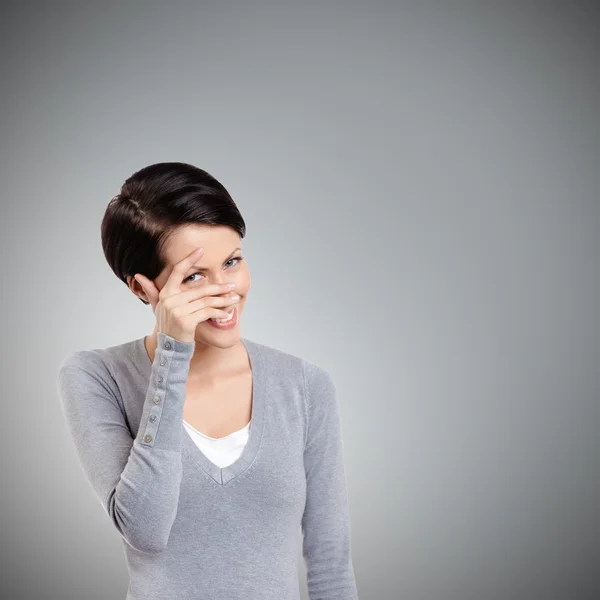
point(168, 345)
point(147, 438)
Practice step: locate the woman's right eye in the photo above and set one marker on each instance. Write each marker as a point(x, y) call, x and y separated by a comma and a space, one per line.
point(188, 279)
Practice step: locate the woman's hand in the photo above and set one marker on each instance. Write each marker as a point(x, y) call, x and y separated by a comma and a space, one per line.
point(179, 312)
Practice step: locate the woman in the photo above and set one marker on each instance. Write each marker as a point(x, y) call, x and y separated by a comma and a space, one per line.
point(209, 452)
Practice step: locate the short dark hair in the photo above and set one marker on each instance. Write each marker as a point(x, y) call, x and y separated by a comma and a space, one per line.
point(152, 203)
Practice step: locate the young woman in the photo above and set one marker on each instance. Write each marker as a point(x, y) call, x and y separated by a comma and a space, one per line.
point(209, 452)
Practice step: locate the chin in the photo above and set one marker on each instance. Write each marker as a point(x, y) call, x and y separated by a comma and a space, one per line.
point(221, 338)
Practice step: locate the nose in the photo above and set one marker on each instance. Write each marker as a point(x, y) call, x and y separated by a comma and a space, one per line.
point(226, 292)
point(220, 280)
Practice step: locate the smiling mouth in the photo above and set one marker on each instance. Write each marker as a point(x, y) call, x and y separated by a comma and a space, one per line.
point(226, 324)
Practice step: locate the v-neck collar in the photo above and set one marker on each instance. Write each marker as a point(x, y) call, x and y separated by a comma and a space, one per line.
point(224, 475)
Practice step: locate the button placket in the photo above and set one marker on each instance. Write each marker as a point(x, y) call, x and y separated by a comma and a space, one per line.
point(155, 413)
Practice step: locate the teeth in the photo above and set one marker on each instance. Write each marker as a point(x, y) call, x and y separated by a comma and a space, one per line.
point(224, 320)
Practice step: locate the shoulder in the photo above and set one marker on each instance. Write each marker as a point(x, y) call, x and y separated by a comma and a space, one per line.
point(98, 360)
point(91, 362)
point(272, 357)
point(313, 380)
point(87, 386)
point(281, 370)
point(93, 368)
point(320, 389)
point(276, 360)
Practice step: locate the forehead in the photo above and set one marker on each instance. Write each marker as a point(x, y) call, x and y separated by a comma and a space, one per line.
point(218, 241)
point(201, 265)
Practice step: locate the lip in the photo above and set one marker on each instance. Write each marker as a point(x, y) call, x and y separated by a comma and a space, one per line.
point(229, 325)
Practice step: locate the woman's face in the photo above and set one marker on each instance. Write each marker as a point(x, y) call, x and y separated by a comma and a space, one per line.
point(221, 262)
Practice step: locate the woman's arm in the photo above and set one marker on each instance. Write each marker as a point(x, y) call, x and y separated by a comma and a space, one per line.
point(137, 480)
point(326, 520)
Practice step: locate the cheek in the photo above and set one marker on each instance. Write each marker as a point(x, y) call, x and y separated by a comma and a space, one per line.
point(243, 283)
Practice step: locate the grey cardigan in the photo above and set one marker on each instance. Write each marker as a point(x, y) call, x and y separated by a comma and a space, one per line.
point(190, 529)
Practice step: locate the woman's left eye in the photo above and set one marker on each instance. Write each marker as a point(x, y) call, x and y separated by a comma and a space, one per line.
point(238, 258)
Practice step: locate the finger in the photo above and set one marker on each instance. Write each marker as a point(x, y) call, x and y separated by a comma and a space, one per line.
point(201, 291)
point(172, 286)
point(223, 301)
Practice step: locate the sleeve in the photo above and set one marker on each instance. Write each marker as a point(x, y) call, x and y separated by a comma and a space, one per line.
point(326, 526)
point(137, 480)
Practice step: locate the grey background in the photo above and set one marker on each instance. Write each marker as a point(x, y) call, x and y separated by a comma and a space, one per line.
point(421, 187)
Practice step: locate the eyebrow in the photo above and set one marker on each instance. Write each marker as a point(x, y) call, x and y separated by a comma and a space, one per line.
point(198, 268)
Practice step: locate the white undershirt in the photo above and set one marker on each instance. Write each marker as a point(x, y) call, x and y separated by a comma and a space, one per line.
point(221, 451)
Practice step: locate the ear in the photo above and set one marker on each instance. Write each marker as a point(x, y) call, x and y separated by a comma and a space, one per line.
point(149, 287)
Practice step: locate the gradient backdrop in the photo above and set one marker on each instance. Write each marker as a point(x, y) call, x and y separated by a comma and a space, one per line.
point(421, 187)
